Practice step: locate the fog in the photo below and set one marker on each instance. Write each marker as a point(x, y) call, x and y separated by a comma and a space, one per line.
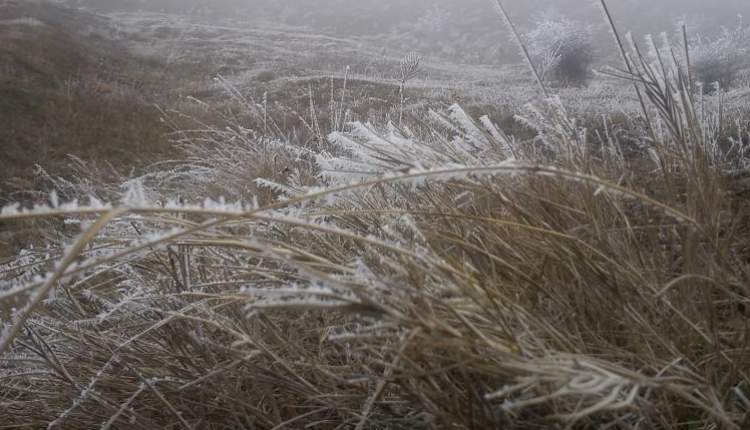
point(365, 16)
point(467, 31)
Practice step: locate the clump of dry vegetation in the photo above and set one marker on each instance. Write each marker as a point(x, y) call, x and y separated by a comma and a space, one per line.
point(721, 60)
point(563, 50)
point(66, 87)
point(440, 274)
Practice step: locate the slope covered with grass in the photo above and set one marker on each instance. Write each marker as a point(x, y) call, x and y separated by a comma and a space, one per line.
point(67, 87)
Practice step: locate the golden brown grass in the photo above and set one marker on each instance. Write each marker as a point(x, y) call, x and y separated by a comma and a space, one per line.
point(577, 285)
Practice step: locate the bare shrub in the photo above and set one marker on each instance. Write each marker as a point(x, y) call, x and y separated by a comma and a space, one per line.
point(409, 68)
point(721, 60)
point(562, 50)
point(265, 76)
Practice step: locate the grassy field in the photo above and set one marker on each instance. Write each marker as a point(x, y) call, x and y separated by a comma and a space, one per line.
point(67, 87)
point(306, 234)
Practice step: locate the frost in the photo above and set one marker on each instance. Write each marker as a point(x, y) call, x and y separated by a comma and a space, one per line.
point(367, 153)
point(28, 21)
point(54, 199)
point(95, 203)
point(276, 187)
point(472, 132)
point(135, 194)
point(13, 209)
point(84, 394)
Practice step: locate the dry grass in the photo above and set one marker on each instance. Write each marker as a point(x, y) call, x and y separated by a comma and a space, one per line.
point(442, 275)
point(67, 88)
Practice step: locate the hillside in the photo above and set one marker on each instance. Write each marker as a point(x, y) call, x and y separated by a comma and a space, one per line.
point(67, 87)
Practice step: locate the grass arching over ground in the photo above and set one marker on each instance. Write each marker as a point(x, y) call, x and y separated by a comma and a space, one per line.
point(436, 275)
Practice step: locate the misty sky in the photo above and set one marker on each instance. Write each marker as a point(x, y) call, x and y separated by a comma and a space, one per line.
point(463, 30)
point(384, 14)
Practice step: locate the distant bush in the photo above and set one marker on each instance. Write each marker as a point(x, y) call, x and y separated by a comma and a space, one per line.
point(265, 76)
point(562, 50)
point(721, 60)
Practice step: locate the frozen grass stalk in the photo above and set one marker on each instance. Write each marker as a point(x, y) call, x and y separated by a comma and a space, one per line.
point(524, 50)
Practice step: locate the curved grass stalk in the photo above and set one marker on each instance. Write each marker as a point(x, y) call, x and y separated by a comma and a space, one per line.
point(11, 331)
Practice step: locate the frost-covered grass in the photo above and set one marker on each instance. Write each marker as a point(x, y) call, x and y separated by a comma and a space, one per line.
point(591, 271)
point(721, 60)
point(29, 21)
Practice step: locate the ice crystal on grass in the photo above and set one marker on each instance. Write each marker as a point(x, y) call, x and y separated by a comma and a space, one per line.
point(594, 388)
point(296, 296)
point(135, 194)
point(367, 153)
